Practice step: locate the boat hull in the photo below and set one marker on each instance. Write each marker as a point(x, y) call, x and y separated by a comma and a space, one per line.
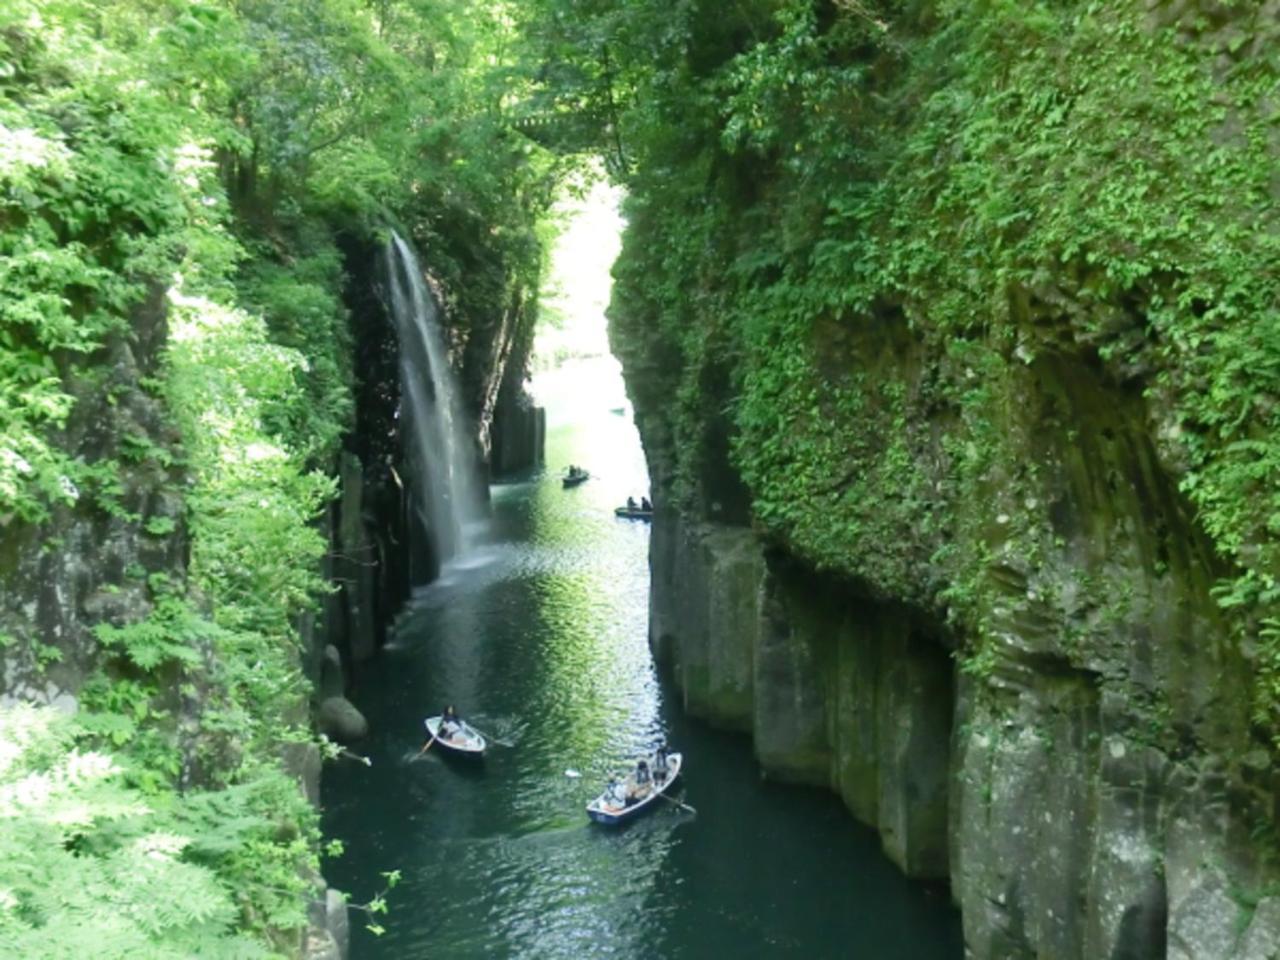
point(600, 812)
point(628, 514)
point(574, 481)
point(470, 744)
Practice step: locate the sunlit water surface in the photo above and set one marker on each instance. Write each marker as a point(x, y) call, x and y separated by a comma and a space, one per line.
point(539, 638)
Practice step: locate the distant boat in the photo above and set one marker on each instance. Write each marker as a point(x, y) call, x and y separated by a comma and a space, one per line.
point(620, 411)
point(573, 479)
point(467, 740)
point(633, 513)
point(604, 809)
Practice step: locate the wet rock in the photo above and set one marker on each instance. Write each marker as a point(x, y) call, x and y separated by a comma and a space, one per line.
point(331, 678)
point(338, 719)
point(302, 762)
point(356, 566)
point(518, 435)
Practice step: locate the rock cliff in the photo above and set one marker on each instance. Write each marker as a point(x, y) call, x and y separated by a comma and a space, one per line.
point(930, 466)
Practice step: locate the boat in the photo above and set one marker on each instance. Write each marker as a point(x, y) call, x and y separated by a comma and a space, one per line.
point(604, 810)
point(467, 741)
point(573, 479)
point(633, 513)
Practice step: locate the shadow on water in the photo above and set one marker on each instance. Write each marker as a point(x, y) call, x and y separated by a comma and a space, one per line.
point(539, 639)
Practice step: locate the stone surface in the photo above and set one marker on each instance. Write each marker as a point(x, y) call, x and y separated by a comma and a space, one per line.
point(339, 720)
point(1261, 940)
point(82, 566)
point(338, 920)
point(331, 683)
point(1205, 923)
point(518, 434)
point(302, 761)
point(1090, 788)
point(321, 945)
point(356, 566)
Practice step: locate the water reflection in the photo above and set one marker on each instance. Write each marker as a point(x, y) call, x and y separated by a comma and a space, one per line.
point(540, 639)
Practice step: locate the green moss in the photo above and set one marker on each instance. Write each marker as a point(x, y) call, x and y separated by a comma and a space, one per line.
point(892, 218)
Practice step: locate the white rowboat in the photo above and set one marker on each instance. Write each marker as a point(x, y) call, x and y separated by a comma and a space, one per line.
point(465, 739)
point(604, 809)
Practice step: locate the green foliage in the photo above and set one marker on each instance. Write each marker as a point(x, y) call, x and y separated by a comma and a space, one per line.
point(817, 187)
point(88, 867)
point(174, 173)
point(88, 209)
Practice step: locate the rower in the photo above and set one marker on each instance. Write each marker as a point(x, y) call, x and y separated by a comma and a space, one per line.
point(449, 723)
point(645, 505)
point(631, 503)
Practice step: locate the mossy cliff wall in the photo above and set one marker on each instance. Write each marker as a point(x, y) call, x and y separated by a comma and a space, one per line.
point(951, 346)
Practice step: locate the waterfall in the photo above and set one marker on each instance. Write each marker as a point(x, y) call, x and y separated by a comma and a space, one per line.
point(446, 483)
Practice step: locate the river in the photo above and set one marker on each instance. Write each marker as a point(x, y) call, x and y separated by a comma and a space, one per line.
point(539, 637)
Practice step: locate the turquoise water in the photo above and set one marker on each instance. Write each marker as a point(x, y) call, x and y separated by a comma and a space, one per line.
point(539, 637)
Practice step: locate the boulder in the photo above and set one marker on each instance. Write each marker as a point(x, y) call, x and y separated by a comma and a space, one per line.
point(338, 719)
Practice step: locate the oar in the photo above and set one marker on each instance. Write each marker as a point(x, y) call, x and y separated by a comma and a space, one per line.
point(682, 806)
point(426, 746)
point(355, 756)
point(489, 736)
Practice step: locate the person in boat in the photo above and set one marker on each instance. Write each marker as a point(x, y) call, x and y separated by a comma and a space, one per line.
point(449, 723)
point(631, 503)
point(614, 794)
point(643, 780)
point(645, 505)
point(660, 766)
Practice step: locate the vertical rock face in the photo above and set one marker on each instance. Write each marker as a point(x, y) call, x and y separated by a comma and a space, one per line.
point(517, 435)
point(1087, 798)
point(1090, 783)
point(835, 691)
point(1007, 485)
point(85, 564)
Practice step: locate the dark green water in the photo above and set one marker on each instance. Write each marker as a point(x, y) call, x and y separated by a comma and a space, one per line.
point(540, 638)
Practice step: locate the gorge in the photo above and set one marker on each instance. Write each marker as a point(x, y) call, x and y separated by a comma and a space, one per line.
point(951, 334)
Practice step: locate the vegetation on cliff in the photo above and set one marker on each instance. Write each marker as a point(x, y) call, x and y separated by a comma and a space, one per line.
point(858, 232)
point(175, 371)
point(824, 195)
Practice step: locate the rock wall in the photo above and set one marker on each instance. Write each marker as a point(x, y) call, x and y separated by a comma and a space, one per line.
point(835, 690)
point(966, 467)
point(1090, 790)
point(86, 564)
point(1063, 832)
point(1090, 782)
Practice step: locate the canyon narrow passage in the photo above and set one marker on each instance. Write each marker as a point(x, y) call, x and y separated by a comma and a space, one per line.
point(539, 637)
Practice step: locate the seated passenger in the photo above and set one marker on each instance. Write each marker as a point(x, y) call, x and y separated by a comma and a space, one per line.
point(631, 503)
point(645, 504)
point(643, 777)
point(660, 766)
point(614, 794)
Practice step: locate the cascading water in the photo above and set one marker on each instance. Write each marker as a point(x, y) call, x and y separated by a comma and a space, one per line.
point(446, 484)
